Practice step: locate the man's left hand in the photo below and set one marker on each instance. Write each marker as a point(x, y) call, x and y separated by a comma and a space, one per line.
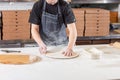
point(68, 52)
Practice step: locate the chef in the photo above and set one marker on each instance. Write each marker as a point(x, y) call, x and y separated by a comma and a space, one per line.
point(49, 20)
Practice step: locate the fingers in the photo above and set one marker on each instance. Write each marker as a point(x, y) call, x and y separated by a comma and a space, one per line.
point(68, 53)
point(43, 49)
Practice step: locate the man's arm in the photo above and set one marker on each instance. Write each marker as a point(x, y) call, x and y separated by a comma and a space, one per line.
point(72, 39)
point(36, 36)
point(72, 35)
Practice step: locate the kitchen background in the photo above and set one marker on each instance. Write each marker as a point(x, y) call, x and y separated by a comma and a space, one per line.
point(14, 15)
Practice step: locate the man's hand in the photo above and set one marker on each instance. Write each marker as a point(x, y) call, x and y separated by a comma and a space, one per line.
point(36, 36)
point(72, 39)
point(43, 49)
point(68, 52)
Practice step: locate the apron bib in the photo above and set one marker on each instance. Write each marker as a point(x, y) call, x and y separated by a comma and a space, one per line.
point(52, 32)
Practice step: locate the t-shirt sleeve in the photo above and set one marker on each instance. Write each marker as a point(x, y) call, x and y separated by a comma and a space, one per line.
point(68, 15)
point(35, 15)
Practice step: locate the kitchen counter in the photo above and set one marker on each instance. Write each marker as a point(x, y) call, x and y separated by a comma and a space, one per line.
point(16, 5)
point(80, 68)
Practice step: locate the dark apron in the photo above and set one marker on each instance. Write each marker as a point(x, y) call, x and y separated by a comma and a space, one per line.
point(52, 31)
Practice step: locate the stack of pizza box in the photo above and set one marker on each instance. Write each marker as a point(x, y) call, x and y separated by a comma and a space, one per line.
point(15, 24)
point(97, 22)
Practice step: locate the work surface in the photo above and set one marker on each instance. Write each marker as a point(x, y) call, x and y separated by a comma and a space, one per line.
point(80, 68)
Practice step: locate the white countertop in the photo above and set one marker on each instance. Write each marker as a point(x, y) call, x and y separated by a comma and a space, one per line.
point(80, 68)
point(16, 5)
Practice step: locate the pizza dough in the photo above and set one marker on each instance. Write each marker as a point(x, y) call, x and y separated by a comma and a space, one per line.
point(60, 55)
point(116, 44)
point(18, 58)
point(95, 53)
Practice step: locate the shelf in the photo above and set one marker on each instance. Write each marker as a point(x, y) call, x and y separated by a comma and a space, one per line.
point(100, 37)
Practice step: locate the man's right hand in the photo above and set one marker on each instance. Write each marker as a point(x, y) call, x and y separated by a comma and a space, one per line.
point(37, 38)
point(43, 49)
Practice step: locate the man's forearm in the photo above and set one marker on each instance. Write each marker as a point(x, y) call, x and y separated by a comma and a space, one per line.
point(72, 40)
point(36, 35)
point(72, 35)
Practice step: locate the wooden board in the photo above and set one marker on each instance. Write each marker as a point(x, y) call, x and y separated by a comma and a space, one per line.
point(18, 58)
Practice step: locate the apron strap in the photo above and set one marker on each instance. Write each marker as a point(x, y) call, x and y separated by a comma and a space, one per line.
point(44, 5)
point(59, 11)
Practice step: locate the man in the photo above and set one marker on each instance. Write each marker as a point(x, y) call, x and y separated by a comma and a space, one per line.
point(49, 19)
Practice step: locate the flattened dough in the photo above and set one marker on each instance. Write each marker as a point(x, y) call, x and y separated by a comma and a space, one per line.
point(60, 55)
